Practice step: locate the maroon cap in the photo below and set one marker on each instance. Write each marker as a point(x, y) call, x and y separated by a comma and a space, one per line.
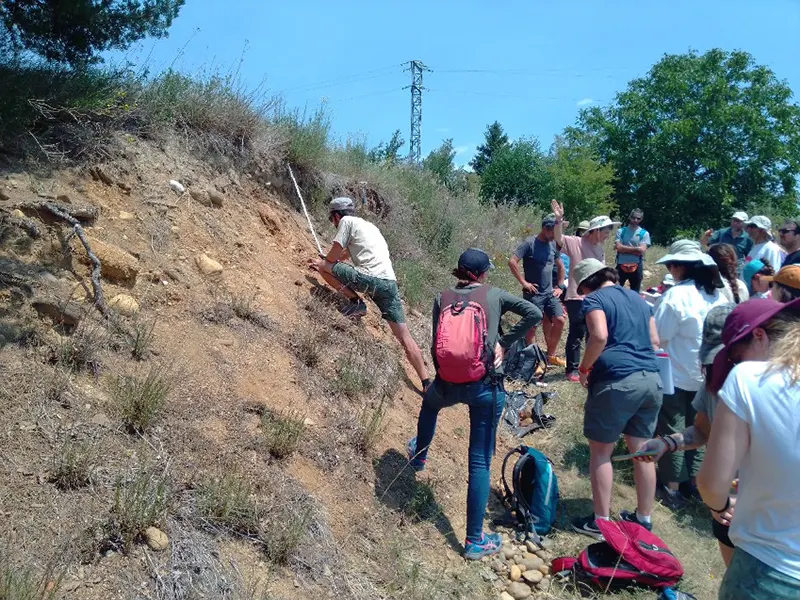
point(740, 323)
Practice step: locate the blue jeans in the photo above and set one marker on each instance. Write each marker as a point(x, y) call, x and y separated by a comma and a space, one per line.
point(486, 402)
point(747, 578)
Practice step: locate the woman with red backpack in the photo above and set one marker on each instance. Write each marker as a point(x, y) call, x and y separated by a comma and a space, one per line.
point(468, 353)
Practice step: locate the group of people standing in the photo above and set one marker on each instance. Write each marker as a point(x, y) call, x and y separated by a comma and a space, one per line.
point(735, 365)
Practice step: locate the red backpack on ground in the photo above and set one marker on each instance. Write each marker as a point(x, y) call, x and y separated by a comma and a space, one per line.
point(461, 350)
point(629, 555)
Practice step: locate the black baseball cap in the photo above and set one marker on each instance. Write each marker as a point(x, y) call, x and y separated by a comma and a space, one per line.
point(549, 221)
point(475, 261)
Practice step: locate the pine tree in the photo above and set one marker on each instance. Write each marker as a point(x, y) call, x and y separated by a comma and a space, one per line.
point(496, 140)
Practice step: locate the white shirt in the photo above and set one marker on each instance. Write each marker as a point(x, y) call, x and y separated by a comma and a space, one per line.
point(679, 318)
point(744, 295)
point(766, 521)
point(367, 247)
point(769, 250)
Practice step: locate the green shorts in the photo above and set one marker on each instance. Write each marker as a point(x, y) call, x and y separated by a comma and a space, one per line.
point(384, 292)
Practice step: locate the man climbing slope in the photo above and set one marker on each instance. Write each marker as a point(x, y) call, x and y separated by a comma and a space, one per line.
point(539, 255)
point(590, 245)
point(371, 273)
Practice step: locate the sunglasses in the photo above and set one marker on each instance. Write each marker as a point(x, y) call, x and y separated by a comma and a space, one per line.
point(786, 230)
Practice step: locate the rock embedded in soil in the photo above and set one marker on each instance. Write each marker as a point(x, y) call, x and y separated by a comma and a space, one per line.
point(506, 596)
point(201, 197)
point(124, 304)
point(519, 590)
point(101, 419)
point(156, 539)
point(118, 265)
point(65, 313)
point(515, 573)
point(208, 266)
point(532, 576)
point(216, 198)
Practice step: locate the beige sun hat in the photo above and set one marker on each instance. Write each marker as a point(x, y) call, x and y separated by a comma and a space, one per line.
point(586, 268)
point(600, 222)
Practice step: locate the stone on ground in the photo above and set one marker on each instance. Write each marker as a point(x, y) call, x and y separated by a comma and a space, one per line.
point(118, 265)
point(519, 590)
point(515, 574)
point(124, 304)
point(156, 539)
point(532, 576)
point(208, 266)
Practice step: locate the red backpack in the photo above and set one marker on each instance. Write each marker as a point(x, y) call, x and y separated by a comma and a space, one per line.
point(461, 349)
point(629, 555)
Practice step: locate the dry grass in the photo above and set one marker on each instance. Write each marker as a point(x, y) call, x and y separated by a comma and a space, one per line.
point(282, 432)
point(81, 351)
point(227, 502)
point(139, 502)
point(369, 428)
point(74, 465)
point(25, 584)
point(140, 400)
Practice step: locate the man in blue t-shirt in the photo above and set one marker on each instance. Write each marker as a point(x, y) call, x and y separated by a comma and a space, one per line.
point(539, 256)
point(735, 235)
point(632, 242)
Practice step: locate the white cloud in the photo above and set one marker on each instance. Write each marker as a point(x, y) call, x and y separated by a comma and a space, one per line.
point(461, 149)
point(585, 102)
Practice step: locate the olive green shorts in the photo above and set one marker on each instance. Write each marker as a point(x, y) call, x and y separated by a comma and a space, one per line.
point(384, 292)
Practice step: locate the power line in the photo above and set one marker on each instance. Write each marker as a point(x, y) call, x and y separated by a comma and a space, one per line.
point(346, 79)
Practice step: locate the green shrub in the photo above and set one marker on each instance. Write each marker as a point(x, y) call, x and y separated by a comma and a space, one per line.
point(307, 134)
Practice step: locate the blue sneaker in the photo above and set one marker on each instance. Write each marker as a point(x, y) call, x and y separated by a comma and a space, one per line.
point(418, 464)
point(489, 544)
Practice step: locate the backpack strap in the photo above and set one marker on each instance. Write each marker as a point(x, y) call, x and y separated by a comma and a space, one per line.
point(508, 495)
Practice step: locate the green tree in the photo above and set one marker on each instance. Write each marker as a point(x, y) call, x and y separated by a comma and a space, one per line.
point(700, 136)
point(495, 141)
point(388, 153)
point(518, 173)
point(441, 163)
point(75, 31)
point(580, 181)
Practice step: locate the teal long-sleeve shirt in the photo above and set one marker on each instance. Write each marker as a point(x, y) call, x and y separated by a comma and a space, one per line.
point(499, 302)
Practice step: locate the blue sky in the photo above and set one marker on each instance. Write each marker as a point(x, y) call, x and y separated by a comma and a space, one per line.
point(529, 64)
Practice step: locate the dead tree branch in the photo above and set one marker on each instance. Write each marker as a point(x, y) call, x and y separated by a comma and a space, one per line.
point(99, 299)
point(83, 214)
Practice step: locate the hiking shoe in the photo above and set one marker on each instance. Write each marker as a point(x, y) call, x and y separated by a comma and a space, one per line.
point(555, 361)
point(630, 517)
point(355, 310)
point(489, 544)
point(574, 377)
point(418, 464)
point(672, 499)
point(587, 526)
point(689, 491)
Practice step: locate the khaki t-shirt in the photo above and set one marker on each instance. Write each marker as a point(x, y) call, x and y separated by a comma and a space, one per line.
point(367, 247)
point(578, 249)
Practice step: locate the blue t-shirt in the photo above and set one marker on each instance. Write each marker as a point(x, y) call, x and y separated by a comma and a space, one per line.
point(538, 258)
point(628, 349)
point(565, 262)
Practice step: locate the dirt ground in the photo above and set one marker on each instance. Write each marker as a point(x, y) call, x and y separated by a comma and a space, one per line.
point(262, 334)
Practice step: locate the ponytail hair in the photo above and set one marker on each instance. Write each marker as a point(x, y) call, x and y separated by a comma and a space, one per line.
point(725, 257)
point(783, 330)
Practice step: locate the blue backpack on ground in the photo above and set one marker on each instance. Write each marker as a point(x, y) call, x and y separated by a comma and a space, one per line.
point(533, 494)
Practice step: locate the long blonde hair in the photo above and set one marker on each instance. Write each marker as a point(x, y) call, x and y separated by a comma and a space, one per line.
point(783, 330)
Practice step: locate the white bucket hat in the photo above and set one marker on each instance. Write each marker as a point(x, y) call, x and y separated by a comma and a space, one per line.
point(760, 221)
point(741, 215)
point(686, 251)
point(600, 222)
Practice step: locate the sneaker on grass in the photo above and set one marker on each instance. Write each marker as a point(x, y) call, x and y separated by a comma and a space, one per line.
point(630, 517)
point(490, 544)
point(672, 499)
point(587, 526)
point(556, 361)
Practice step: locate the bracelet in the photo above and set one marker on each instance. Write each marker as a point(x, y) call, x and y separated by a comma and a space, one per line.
point(583, 371)
point(670, 443)
point(724, 508)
